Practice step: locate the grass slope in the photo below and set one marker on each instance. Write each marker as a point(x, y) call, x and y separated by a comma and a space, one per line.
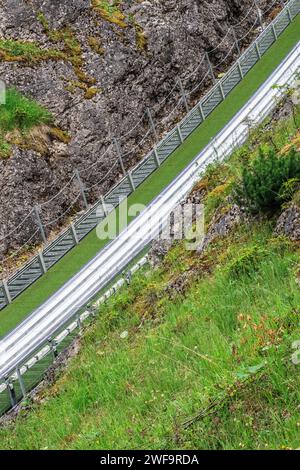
point(79, 256)
point(207, 362)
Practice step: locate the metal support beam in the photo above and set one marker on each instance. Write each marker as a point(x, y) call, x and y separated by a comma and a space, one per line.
point(120, 156)
point(104, 206)
point(131, 182)
point(200, 107)
point(6, 292)
point(39, 223)
point(21, 382)
point(236, 41)
point(11, 393)
point(82, 188)
point(156, 156)
point(210, 68)
point(183, 95)
point(53, 348)
point(240, 69)
point(222, 91)
point(288, 10)
point(260, 15)
point(74, 234)
point(151, 122)
point(180, 133)
point(257, 49)
point(289, 14)
point(42, 262)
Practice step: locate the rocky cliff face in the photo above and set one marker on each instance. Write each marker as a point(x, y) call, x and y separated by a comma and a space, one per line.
point(96, 65)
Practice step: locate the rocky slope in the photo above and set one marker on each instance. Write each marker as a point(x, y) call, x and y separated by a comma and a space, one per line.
point(96, 65)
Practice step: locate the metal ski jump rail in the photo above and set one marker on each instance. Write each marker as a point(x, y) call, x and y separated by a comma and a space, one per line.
point(30, 349)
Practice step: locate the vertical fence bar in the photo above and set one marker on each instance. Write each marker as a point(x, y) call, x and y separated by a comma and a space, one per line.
point(180, 133)
point(6, 292)
point(257, 49)
point(210, 68)
point(120, 155)
point(21, 382)
point(82, 188)
point(104, 206)
point(260, 16)
point(152, 125)
point(74, 234)
point(131, 182)
point(240, 69)
point(237, 44)
point(222, 91)
point(42, 262)
point(39, 223)
point(183, 95)
point(200, 107)
point(11, 393)
point(156, 156)
point(274, 32)
point(288, 11)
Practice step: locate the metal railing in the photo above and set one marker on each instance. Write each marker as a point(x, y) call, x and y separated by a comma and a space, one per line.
point(57, 249)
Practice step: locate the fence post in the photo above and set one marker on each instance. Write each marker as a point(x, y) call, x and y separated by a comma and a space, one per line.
point(40, 225)
point(222, 91)
point(240, 69)
point(201, 111)
point(274, 32)
point(210, 68)
point(120, 157)
point(289, 13)
point(257, 49)
point(11, 393)
point(152, 125)
point(21, 382)
point(74, 234)
point(42, 262)
point(130, 178)
point(82, 188)
point(236, 41)
point(6, 292)
point(53, 348)
point(183, 95)
point(79, 323)
point(104, 206)
point(180, 133)
point(260, 16)
point(156, 156)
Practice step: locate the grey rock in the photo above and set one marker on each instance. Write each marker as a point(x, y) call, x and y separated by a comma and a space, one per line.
point(177, 32)
point(288, 223)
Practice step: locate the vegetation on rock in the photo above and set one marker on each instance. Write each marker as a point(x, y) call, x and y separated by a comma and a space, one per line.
point(21, 114)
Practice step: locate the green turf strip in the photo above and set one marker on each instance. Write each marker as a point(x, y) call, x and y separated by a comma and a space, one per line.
point(91, 245)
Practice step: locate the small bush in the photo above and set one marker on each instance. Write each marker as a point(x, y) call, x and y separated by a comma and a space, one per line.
point(246, 261)
point(21, 113)
point(260, 187)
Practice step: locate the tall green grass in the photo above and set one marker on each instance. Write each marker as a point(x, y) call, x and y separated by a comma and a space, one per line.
point(19, 113)
point(227, 340)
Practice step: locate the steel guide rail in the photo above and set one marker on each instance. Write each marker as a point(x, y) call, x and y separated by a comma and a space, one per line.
point(18, 382)
point(57, 249)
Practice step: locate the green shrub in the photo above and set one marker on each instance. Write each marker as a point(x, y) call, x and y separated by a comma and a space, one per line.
point(21, 113)
point(246, 261)
point(262, 180)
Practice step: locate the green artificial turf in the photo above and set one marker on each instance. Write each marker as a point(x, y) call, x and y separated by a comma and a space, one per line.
point(91, 245)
